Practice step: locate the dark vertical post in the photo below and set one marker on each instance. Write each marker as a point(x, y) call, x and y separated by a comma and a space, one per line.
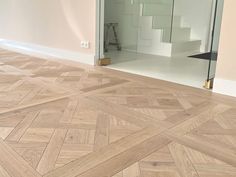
point(212, 40)
point(99, 27)
point(172, 20)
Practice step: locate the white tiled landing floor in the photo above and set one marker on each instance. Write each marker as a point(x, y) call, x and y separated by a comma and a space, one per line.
point(178, 69)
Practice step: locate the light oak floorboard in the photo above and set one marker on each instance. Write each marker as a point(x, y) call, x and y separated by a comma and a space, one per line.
point(65, 119)
point(14, 164)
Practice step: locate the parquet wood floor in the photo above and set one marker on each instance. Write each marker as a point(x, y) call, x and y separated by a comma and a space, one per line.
point(64, 119)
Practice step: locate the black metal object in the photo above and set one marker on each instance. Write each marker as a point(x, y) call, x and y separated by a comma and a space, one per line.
point(206, 56)
point(111, 27)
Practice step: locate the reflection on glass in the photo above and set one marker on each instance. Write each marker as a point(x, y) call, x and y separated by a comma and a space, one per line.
point(121, 25)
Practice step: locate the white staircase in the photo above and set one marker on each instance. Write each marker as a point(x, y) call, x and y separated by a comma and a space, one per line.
point(154, 37)
point(152, 19)
point(155, 30)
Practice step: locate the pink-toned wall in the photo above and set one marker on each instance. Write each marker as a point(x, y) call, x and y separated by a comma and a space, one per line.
point(58, 24)
point(226, 66)
point(225, 80)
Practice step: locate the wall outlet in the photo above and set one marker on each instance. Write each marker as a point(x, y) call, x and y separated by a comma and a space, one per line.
point(84, 44)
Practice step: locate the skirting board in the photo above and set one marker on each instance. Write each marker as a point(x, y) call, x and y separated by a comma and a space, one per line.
point(225, 87)
point(46, 52)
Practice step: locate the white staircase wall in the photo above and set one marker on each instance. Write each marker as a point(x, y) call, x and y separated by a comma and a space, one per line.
point(164, 21)
point(176, 34)
point(145, 27)
point(188, 47)
point(156, 9)
point(128, 32)
point(197, 15)
point(156, 1)
point(150, 39)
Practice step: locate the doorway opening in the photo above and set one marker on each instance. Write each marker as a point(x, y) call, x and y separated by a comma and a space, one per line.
point(172, 40)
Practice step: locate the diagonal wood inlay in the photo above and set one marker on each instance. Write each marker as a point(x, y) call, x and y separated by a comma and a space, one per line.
point(65, 119)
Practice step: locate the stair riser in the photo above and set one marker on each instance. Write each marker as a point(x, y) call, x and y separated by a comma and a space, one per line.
point(178, 35)
point(185, 47)
point(154, 36)
point(156, 10)
point(167, 49)
point(154, 1)
point(160, 22)
point(153, 29)
point(162, 49)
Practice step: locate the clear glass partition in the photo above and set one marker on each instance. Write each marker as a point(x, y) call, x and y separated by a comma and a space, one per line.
point(121, 26)
point(168, 28)
point(218, 4)
point(139, 26)
point(196, 31)
point(159, 14)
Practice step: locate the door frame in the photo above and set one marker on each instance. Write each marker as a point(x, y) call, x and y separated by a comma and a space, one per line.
point(100, 11)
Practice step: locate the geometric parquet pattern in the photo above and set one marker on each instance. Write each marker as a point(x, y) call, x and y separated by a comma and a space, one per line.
point(64, 119)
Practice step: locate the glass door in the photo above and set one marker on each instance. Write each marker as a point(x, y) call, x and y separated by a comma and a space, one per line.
point(121, 28)
point(183, 35)
point(136, 27)
point(215, 41)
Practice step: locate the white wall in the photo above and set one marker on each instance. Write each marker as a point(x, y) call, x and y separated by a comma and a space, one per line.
point(60, 24)
point(225, 80)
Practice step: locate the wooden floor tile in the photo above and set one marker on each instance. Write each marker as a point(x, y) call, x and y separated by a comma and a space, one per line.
point(65, 119)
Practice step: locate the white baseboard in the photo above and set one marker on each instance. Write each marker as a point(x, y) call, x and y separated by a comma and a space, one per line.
point(45, 52)
point(225, 87)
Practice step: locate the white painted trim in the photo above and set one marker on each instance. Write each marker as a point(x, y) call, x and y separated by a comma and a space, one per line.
point(102, 22)
point(225, 87)
point(45, 52)
point(97, 47)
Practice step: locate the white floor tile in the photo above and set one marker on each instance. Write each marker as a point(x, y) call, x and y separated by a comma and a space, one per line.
point(178, 69)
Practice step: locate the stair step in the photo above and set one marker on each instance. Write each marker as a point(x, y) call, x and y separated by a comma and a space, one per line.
point(156, 9)
point(150, 34)
point(163, 49)
point(154, 1)
point(165, 21)
point(178, 34)
point(185, 46)
point(169, 49)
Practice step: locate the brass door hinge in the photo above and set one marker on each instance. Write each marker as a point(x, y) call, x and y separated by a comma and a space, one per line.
point(104, 61)
point(209, 84)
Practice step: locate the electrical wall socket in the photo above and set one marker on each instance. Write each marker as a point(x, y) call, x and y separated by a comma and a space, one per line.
point(84, 44)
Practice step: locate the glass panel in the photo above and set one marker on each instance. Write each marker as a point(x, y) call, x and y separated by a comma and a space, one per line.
point(170, 28)
point(196, 31)
point(219, 4)
point(142, 27)
point(121, 25)
point(191, 26)
point(156, 17)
